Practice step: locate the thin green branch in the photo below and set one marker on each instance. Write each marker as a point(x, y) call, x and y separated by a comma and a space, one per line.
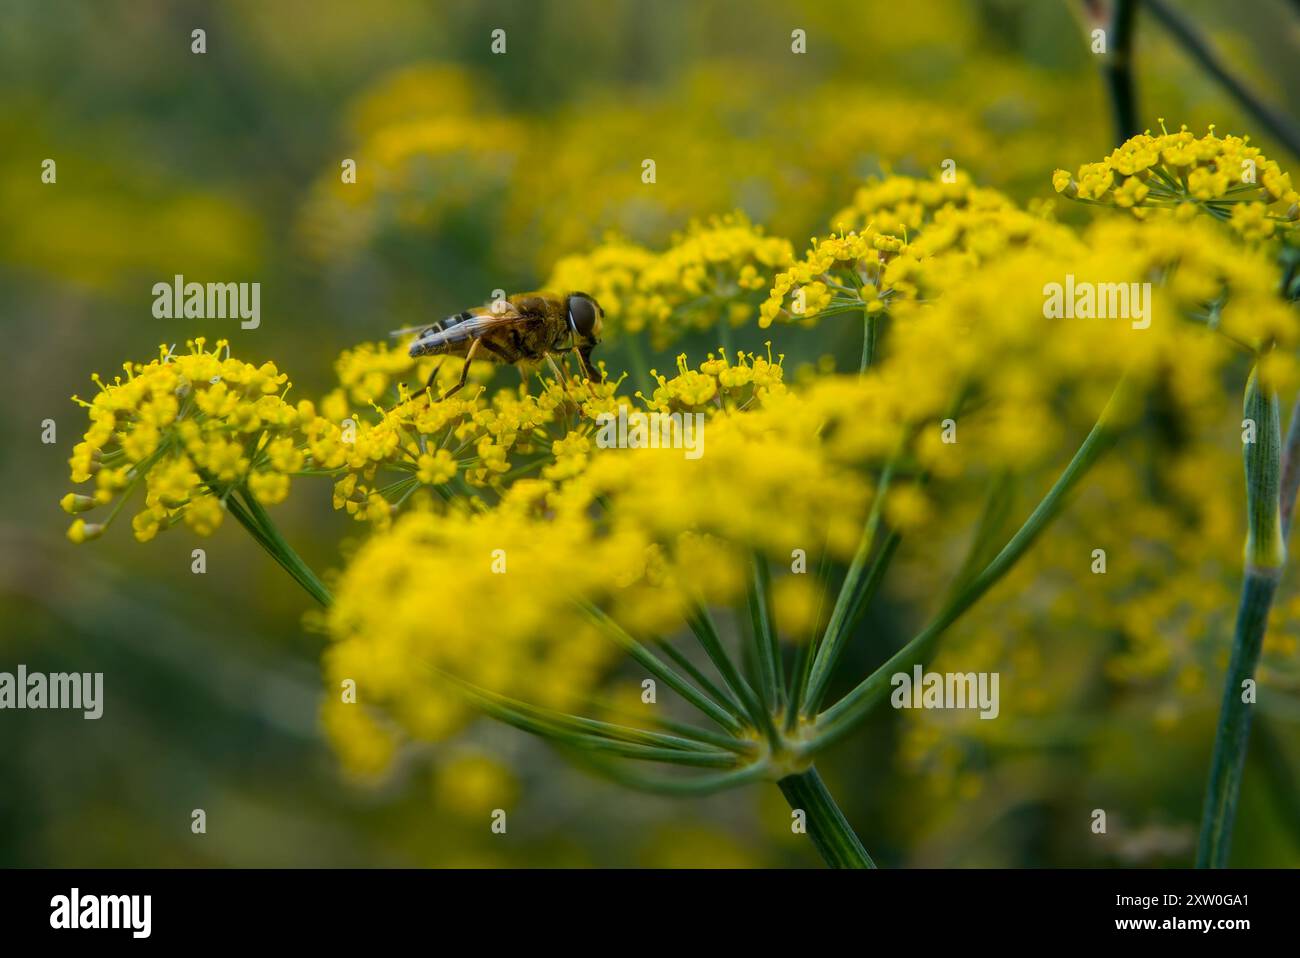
point(693, 786)
point(706, 631)
point(1184, 31)
point(846, 714)
point(997, 506)
point(657, 667)
point(806, 654)
point(1265, 558)
point(767, 649)
point(1290, 471)
point(244, 506)
point(1118, 69)
point(719, 695)
point(590, 734)
point(852, 597)
point(870, 321)
point(1232, 735)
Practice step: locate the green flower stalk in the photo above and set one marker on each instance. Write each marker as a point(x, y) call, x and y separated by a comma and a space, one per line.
point(829, 830)
point(1265, 558)
point(1118, 69)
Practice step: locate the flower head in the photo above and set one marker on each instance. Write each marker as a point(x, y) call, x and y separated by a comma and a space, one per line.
point(712, 271)
point(907, 239)
point(188, 428)
point(1180, 173)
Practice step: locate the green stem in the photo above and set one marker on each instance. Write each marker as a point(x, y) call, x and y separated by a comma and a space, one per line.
point(699, 785)
point(767, 650)
point(1265, 558)
point(997, 506)
point(706, 632)
point(250, 514)
point(868, 339)
point(829, 830)
point(660, 669)
point(555, 724)
point(805, 655)
point(1290, 475)
point(859, 583)
point(1118, 69)
point(1233, 733)
point(1277, 123)
point(719, 696)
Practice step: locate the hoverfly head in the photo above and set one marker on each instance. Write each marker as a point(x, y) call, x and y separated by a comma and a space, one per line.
point(584, 318)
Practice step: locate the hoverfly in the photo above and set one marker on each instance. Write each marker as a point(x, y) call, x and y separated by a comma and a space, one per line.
point(526, 327)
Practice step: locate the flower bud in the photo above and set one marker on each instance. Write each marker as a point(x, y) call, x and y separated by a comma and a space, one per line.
point(73, 503)
point(81, 530)
point(1065, 184)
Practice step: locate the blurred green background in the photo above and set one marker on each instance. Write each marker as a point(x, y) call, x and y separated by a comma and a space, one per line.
point(224, 166)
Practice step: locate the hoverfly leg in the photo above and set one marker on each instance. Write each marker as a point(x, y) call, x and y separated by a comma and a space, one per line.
point(586, 371)
point(423, 389)
point(464, 372)
point(555, 368)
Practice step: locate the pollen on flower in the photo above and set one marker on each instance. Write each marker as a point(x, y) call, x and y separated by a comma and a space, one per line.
point(435, 469)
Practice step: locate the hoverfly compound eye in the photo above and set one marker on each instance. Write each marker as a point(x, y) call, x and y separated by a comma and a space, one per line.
point(584, 315)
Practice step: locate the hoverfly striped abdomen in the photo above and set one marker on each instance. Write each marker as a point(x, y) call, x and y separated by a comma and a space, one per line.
point(437, 338)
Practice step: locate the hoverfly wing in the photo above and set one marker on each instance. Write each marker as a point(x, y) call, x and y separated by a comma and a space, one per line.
point(432, 329)
point(463, 327)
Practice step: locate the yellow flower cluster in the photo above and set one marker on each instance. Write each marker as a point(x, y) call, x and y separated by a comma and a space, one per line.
point(424, 450)
point(1182, 174)
point(987, 346)
point(908, 239)
point(493, 596)
point(487, 597)
point(1213, 299)
point(429, 444)
point(1203, 273)
point(897, 205)
point(718, 382)
point(709, 274)
point(368, 372)
point(973, 353)
point(189, 428)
